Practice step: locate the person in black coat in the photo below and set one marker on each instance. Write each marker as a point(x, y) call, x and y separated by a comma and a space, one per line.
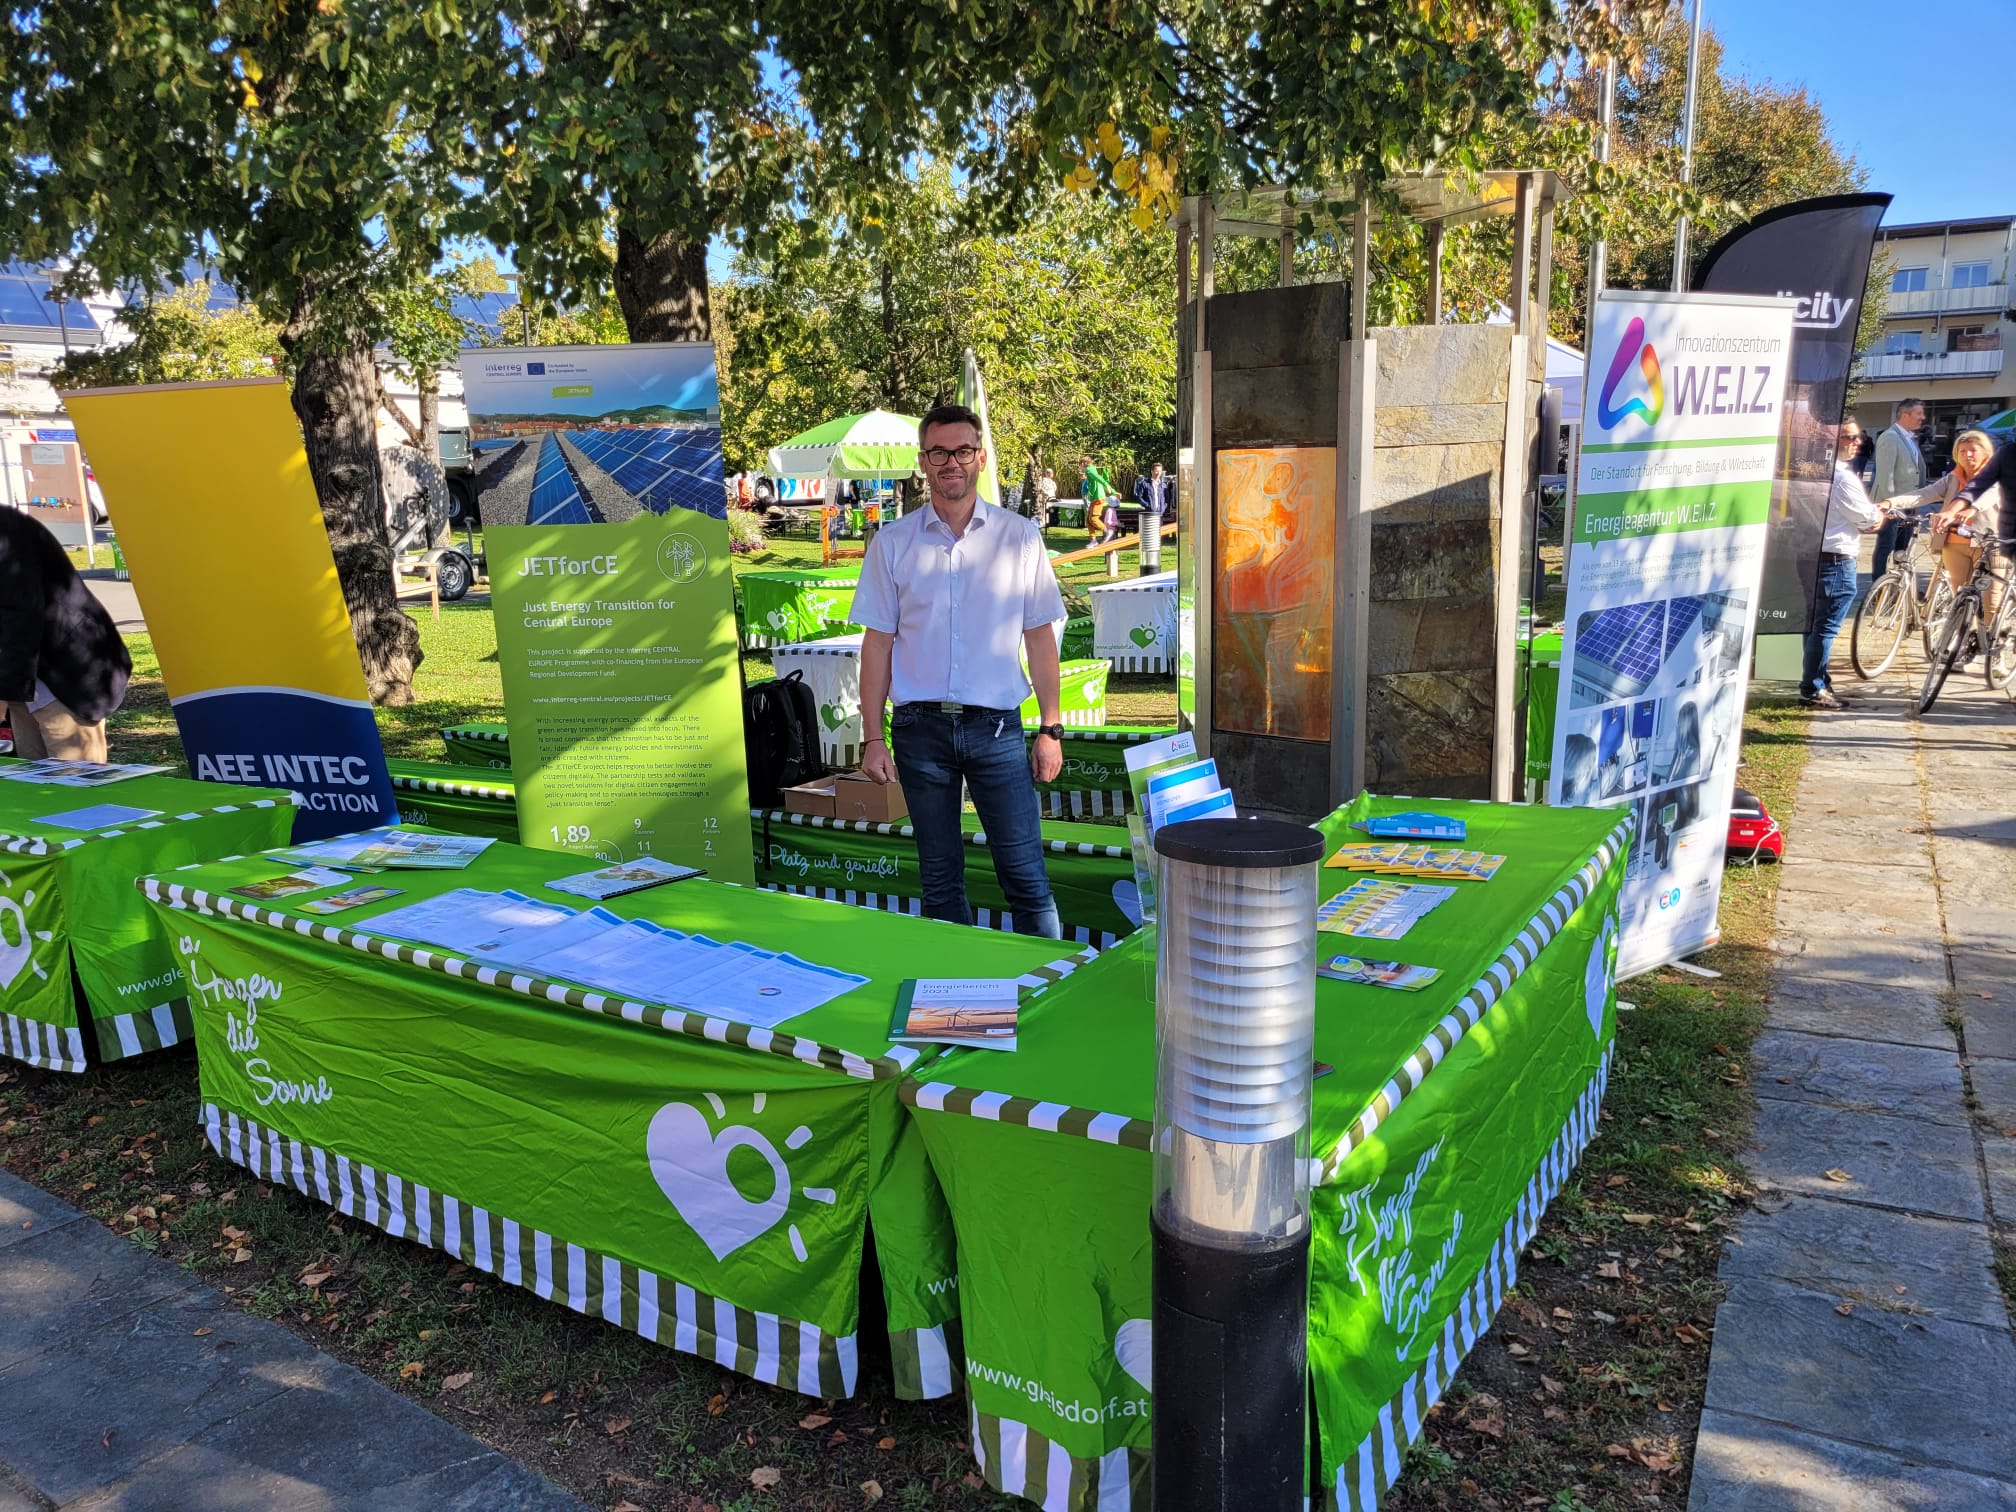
point(63, 665)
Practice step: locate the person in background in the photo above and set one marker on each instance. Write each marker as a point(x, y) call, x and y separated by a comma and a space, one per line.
point(1046, 499)
point(1979, 493)
point(1102, 520)
point(1850, 516)
point(1155, 492)
point(63, 667)
point(1900, 468)
point(952, 599)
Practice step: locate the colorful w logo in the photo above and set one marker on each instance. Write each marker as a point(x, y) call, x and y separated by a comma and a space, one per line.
point(1648, 364)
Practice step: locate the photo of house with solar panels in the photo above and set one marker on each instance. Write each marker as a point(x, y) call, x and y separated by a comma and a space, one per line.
point(594, 434)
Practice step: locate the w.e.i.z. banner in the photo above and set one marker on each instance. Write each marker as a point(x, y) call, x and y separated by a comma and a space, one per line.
point(605, 523)
point(1673, 491)
point(223, 535)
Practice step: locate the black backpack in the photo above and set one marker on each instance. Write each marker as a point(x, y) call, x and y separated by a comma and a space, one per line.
point(780, 723)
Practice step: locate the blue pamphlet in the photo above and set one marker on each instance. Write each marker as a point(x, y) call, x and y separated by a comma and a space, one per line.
point(1416, 827)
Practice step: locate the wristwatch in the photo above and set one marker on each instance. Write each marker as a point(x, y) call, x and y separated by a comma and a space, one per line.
point(1055, 732)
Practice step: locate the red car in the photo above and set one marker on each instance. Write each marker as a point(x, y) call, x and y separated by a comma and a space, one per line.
point(1753, 834)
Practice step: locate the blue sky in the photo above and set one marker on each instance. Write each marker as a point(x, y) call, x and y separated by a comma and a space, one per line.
point(1917, 93)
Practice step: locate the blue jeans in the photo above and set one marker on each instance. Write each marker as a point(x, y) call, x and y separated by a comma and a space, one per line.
point(934, 751)
point(1895, 535)
point(1833, 597)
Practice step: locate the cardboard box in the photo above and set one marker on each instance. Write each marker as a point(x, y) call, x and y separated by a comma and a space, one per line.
point(811, 798)
point(856, 797)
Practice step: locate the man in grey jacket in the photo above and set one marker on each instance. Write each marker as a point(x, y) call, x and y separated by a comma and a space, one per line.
point(1900, 468)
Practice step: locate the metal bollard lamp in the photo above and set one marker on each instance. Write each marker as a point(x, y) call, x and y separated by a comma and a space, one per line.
point(1235, 1022)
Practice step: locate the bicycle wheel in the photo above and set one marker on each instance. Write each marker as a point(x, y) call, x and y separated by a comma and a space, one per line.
point(1938, 604)
point(1881, 620)
point(1958, 626)
point(2000, 661)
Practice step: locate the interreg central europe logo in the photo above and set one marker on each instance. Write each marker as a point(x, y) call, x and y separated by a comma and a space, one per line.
point(1634, 344)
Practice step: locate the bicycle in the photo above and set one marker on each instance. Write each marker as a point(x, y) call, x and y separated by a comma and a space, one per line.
point(1963, 622)
point(1893, 607)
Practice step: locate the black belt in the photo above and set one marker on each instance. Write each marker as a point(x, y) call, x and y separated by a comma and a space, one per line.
point(1837, 556)
point(936, 706)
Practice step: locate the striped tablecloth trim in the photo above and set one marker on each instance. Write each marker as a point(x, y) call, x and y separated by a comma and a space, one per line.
point(1014, 1458)
point(140, 1033)
point(1375, 1466)
point(776, 1350)
point(474, 732)
point(36, 845)
point(897, 1060)
point(457, 789)
point(53, 1047)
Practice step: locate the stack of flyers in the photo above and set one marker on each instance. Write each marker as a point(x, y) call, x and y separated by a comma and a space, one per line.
point(1376, 909)
point(1397, 858)
point(957, 1011)
point(400, 849)
point(59, 772)
point(99, 816)
point(1152, 759)
point(1413, 826)
point(350, 897)
point(624, 877)
point(1396, 974)
point(308, 879)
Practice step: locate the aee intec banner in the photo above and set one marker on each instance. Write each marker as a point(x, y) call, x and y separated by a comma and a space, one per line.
point(1673, 490)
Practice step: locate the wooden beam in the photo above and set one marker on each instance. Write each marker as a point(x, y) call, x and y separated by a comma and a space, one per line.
point(1543, 295)
point(1435, 274)
point(1124, 543)
point(1509, 508)
point(1351, 592)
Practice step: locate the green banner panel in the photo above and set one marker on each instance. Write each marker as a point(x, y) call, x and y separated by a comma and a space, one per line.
point(1450, 1116)
point(617, 647)
point(779, 607)
point(459, 799)
point(67, 899)
point(719, 1181)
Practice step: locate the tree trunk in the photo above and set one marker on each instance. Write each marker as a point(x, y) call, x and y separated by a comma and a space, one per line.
point(430, 441)
point(890, 348)
point(661, 286)
point(336, 400)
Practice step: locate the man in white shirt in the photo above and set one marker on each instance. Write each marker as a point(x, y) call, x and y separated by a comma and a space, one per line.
point(1900, 468)
point(952, 598)
point(1850, 516)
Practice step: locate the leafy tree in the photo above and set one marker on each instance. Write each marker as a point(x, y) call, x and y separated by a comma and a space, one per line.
point(1071, 318)
point(178, 338)
point(308, 149)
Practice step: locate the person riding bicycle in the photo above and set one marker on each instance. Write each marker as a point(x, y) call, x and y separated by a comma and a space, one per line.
point(1972, 451)
point(1998, 475)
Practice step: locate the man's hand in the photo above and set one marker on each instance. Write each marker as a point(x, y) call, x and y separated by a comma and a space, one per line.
point(877, 765)
point(1046, 758)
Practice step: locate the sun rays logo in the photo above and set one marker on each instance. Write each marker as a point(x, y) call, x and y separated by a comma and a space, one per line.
point(727, 1209)
point(1613, 415)
point(17, 940)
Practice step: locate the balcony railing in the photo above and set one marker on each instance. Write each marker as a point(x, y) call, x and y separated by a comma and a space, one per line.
point(1923, 365)
point(1982, 297)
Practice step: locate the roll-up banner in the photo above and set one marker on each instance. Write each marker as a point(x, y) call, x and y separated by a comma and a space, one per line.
point(1816, 252)
point(224, 539)
point(605, 524)
point(1673, 497)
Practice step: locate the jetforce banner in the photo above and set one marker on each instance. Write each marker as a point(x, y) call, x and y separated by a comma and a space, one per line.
point(1816, 252)
point(1673, 492)
point(605, 523)
point(261, 665)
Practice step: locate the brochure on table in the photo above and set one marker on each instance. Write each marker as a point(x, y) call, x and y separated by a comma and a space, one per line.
point(1673, 495)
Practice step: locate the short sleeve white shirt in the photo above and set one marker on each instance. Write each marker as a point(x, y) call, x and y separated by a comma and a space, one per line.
point(958, 605)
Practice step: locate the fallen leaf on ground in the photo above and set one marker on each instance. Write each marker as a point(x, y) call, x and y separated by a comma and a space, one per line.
point(1610, 1270)
point(626, 1505)
point(1551, 1386)
point(814, 1420)
point(615, 1426)
point(1517, 1349)
point(314, 1278)
point(717, 1404)
point(765, 1477)
point(1639, 1219)
point(547, 1399)
point(458, 1380)
point(410, 1369)
point(885, 1442)
point(204, 1333)
point(1837, 1174)
point(1846, 1309)
point(871, 1491)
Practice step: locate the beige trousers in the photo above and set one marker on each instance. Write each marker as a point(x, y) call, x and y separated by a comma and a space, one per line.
point(54, 731)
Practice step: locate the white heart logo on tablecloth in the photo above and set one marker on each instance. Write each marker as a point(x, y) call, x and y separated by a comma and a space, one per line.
point(17, 940)
point(689, 1161)
point(1134, 1348)
point(1127, 898)
point(1596, 975)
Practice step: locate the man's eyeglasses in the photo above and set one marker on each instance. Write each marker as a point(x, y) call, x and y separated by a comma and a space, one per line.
point(938, 456)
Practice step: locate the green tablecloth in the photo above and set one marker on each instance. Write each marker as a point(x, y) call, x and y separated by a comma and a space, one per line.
point(66, 899)
point(479, 743)
point(1452, 1115)
point(871, 865)
point(707, 1184)
point(782, 606)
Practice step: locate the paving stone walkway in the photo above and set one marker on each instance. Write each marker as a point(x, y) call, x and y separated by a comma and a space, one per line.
point(1863, 1359)
point(125, 1387)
